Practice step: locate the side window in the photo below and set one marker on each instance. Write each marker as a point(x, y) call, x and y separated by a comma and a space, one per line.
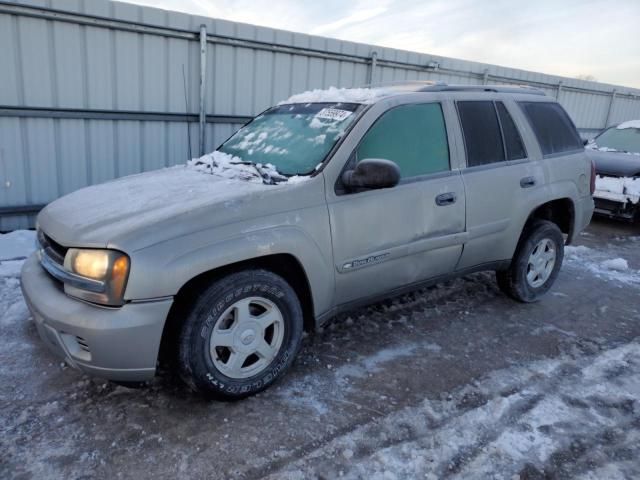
point(512, 140)
point(412, 136)
point(481, 130)
point(553, 127)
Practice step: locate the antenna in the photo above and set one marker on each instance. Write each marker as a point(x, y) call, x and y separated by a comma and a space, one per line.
point(186, 107)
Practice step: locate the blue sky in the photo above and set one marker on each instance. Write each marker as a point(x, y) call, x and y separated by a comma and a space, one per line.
point(565, 37)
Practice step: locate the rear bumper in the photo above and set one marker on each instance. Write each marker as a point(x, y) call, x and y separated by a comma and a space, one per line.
point(115, 343)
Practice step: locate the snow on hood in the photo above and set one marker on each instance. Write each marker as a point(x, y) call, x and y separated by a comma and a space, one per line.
point(629, 124)
point(96, 215)
point(338, 95)
point(232, 167)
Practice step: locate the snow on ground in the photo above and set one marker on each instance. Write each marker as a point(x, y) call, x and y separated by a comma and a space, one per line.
point(515, 419)
point(14, 248)
point(533, 417)
point(601, 264)
point(338, 95)
point(17, 245)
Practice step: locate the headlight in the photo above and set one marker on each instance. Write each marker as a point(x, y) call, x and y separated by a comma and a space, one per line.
point(106, 272)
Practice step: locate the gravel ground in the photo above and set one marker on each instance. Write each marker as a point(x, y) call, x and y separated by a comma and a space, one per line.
point(455, 381)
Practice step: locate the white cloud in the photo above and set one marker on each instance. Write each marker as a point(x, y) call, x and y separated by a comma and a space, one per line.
point(573, 37)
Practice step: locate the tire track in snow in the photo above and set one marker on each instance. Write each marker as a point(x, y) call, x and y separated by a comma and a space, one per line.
point(534, 425)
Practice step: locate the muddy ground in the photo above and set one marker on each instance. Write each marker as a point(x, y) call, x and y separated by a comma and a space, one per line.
point(455, 381)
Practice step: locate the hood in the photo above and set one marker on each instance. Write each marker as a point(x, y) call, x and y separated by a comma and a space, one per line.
point(101, 215)
point(617, 164)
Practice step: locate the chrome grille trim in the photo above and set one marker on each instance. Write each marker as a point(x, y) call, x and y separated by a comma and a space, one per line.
point(52, 261)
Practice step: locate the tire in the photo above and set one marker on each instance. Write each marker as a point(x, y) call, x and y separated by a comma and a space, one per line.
point(230, 320)
point(530, 274)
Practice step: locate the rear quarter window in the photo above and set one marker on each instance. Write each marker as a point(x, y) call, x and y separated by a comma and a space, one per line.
point(512, 140)
point(553, 128)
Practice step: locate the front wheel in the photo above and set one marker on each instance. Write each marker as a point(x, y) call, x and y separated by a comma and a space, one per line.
point(536, 263)
point(242, 333)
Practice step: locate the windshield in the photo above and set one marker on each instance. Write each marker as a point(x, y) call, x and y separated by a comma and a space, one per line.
point(621, 140)
point(293, 138)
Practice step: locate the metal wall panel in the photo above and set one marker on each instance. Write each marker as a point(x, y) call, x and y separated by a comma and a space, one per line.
point(112, 63)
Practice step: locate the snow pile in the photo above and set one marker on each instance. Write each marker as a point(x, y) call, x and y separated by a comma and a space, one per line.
point(338, 95)
point(598, 264)
point(620, 189)
point(629, 124)
point(232, 167)
point(619, 264)
point(17, 245)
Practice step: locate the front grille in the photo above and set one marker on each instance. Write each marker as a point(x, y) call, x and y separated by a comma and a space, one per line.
point(611, 207)
point(52, 249)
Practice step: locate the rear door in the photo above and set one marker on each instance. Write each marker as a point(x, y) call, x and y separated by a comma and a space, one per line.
point(389, 238)
point(500, 180)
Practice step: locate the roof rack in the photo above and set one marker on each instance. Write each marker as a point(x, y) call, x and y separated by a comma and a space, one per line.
point(443, 87)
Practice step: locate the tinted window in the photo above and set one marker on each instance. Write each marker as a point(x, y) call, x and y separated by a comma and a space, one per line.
point(512, 141)
point(413, 136)
point(553, 127)
point(481, 130)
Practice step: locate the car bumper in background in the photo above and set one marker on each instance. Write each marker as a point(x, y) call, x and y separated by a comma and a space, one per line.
point(114, 343)
point(614, 205)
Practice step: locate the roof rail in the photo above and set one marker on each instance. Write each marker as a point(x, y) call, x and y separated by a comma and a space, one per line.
point(443, 87)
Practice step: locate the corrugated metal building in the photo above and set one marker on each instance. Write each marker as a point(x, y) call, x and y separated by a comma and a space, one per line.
point(93, 90)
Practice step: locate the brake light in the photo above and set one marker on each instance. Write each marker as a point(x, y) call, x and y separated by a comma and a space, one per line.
point(593, 177)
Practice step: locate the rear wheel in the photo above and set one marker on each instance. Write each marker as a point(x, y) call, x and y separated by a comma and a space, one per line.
point(536, 263)
point(242, 333)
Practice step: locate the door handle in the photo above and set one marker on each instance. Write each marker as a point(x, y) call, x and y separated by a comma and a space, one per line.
point(527, 182)
point(446, 199)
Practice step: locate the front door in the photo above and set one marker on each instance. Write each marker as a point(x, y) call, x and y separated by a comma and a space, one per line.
point(386, 239)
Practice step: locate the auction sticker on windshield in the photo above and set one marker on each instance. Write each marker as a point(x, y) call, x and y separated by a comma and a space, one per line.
point(333, 114)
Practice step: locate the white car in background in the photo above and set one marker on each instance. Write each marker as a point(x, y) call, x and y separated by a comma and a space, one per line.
point(616, 154)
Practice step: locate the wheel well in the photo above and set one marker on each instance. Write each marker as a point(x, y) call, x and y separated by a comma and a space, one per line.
point(285, 265)
point(561, 212)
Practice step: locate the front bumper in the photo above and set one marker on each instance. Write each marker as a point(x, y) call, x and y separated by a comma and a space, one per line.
point(115, 343)
point(614, 205)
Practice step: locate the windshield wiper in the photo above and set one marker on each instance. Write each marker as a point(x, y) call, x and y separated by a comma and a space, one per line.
point(266, 178)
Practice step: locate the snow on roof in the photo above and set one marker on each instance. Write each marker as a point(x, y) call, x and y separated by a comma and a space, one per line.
point(339, 95)
point(629, 124)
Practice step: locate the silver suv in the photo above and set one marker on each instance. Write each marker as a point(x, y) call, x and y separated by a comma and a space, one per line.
point(330, 200)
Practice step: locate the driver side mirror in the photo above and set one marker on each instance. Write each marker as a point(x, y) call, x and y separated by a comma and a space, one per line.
point(372, 173)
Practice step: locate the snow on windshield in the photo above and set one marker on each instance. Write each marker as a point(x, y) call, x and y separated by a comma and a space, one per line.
point(629, 124)
point(338, 95)
point(232, 167)
point(624, 138)
point(294, 139)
